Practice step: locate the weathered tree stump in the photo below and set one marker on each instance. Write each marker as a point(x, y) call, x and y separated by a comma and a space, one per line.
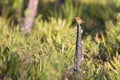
point(78, 54)
point(75, 71)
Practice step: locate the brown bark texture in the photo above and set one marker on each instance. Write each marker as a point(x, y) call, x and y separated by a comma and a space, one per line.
point(29, 16)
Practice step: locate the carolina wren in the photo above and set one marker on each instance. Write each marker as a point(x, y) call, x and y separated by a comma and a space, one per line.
point(79, 20)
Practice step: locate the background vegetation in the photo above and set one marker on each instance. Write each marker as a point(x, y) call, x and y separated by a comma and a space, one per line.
point(48, 50)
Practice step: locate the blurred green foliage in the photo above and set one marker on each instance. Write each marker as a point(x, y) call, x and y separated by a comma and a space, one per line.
point(48, 51)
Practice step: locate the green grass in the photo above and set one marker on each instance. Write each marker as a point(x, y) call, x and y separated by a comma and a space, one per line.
point(48, 51)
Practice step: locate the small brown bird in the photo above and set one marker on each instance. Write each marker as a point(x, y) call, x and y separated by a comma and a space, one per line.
point(79, 20)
